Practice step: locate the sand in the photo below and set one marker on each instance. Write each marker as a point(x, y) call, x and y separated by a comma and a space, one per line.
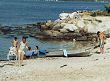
point(93, 68)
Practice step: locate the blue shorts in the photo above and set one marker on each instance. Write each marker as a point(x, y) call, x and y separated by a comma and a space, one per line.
point(101, 44)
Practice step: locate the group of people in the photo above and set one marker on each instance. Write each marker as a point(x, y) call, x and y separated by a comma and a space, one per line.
point(21, 49)
point(23, 45)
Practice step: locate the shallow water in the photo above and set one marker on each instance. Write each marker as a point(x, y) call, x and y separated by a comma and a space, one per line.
point(5, 43)
point(18, 12)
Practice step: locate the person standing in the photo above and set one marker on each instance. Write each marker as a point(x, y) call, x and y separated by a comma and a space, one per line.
point(23, 45)
point(15, 42)
point(102, 37)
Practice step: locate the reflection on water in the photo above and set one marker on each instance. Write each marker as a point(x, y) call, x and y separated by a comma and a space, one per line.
point(5, 43)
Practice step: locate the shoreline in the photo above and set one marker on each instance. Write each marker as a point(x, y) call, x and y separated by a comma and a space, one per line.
point(92, 68)
point(63, 29)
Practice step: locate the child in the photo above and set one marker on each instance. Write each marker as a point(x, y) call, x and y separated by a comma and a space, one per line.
point(36, 51)
point(29, 53)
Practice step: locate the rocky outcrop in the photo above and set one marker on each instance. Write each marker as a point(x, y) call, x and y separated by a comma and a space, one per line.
point(75, 25)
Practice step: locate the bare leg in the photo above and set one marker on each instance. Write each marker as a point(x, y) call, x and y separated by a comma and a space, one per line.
point(101, 50)
point(19, 55)
point(21, 60)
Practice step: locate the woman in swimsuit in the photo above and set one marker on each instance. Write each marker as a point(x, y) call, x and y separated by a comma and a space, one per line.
point(15, 44)
point(23, 45)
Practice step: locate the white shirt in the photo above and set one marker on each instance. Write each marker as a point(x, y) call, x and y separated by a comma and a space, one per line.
point(22, 45)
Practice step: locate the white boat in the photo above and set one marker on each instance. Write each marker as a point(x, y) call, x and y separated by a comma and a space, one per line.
point(64, 53)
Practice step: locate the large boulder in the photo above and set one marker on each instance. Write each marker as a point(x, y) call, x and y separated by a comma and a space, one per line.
point(70, 27)
point(63, 15)
point(44, 27)
point(63, 30)
point(91, 28)
point(52, 33)
point(80, 24)
point(56, 33)
point(49, 23)
point(57, 26)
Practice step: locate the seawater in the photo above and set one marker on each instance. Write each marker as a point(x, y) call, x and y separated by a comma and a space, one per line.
point(15, 12)
point(19, 12)
point(6, 42)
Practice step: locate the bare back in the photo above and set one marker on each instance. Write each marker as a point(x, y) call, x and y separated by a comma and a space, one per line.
point(15, 43)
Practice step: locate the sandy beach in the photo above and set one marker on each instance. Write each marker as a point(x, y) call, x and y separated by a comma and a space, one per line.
point(58, 27)
point(93, 68)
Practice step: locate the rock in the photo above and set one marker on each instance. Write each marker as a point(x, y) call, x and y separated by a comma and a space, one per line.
point(63, 15)
point(5, 30)
point(96, 59)
point(100, 21)
point(52, 33)
point(70, 22)
point(62, 24)
point(49, 23)
point(63, 66)
point(70, 27)
point(80, 24)
point(44, 27)
point(57, 26)
point(64, 30)
point(91, 28)
point(48, 32)
point(56, 33)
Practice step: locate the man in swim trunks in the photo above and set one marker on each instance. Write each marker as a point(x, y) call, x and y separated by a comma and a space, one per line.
point(102, 37)
point(15, 44)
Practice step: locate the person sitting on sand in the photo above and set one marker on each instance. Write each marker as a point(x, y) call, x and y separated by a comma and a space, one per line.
point(36, 51)
point(21, 52)
point(29, 53)
point(102, 37)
